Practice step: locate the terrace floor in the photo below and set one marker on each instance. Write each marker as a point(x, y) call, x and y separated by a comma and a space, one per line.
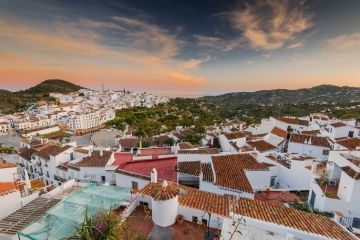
point(331, 189)
point(278, 198)
point(139, 223)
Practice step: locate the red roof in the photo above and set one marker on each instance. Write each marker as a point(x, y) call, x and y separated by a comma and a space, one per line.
point(165, 168)
point(121, 158)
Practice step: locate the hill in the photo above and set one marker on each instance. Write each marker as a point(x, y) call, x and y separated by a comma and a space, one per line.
point(16, 101)
point(322, 93)
point(53, 85)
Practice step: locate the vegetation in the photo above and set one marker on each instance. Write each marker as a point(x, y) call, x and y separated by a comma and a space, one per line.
point(184, 112)
point(102, 225)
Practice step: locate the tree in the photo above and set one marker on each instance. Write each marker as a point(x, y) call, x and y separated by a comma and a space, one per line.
point(170, 141)
point(144, 144)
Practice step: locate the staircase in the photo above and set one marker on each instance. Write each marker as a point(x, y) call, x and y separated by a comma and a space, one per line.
point(26, 215)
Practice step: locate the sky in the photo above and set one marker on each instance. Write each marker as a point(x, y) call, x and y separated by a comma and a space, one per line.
point(186, 48)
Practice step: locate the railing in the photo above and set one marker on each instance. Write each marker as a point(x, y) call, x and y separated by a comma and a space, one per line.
point(58, 178)
point(346, 221)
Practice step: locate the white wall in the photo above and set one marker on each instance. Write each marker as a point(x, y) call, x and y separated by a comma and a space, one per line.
point(164, 212)
point(126, 181)
point(258, 179)
point(9, 203)
point(43, 131)
point(310, 150)
point(6, 174)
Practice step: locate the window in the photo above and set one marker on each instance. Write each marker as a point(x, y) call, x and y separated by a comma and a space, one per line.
point(326, 152)
point(272, 181)
point(351, 134)
point(204, 222)
point(103, 178)
point(356, 223)
point(195, 219)
point(134, 185)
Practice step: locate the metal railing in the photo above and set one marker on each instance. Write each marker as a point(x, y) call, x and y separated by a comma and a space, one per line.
point(58, 178)
point(346, 221)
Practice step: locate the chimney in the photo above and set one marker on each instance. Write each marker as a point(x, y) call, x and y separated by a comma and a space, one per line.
point(89, 153)
point(154, 175)
point(101, 153)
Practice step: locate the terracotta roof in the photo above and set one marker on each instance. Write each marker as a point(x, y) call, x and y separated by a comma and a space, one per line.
point(52, 150)
point(200, 151)
point(199, 200)
point(294, 121)
point(163, 191)
point(7, 165)
point(313, 132)
point(351, 172)
point(133, 142)
point(300, 220)
point(279, 132)
point(261, 145)
point(338, 124)
point(230, 171)
point(95, 160)
point(350, 143)
point(234, 135)
point(207, 172)
point(27, 153)
point(189, 168)
point(311, 140)
point(185, 145)
point(7, 187)
point(81, 150)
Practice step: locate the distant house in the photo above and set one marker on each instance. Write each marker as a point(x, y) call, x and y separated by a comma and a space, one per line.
point(312, 146)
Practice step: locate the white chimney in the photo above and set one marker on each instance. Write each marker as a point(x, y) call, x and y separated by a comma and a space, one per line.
point(89, 153)
point(101, 153)
point(154, 175)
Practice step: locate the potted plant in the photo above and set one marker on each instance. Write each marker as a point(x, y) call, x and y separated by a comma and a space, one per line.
point(180, 219)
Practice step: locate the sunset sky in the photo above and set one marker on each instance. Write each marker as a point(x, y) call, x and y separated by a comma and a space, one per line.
point(180, 47)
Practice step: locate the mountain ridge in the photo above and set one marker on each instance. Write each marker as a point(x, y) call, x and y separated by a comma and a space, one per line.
point(321, 93)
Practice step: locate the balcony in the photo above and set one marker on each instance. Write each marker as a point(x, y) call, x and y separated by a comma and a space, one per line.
point(329, 188)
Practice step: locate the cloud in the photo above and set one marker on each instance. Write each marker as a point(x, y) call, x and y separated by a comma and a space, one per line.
point(194, 63)
point(271, 24)
point(205, 41)
point(151, 37)
point(296, 45)
point(349, 42)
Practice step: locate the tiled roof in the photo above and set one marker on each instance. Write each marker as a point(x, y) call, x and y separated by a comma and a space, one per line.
point(7, 187)
point(261, 145)
point(351, 172)
point(7, 165)
point(133, 142)
point(300, 220)
point(185, 145)
point(313, 132)
point(207, 172)
point(81, 150)
point(200, 151)
point(234, 135)
point(312, 140)
point(163, 191)
point(199, 200)
point(189, 168)
point(338, 124)
point(95, 160)
point(27, 153)
point(350, 143)
point(294, 121)
point(230, 171)
point(52, 150)
point(279, 132)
